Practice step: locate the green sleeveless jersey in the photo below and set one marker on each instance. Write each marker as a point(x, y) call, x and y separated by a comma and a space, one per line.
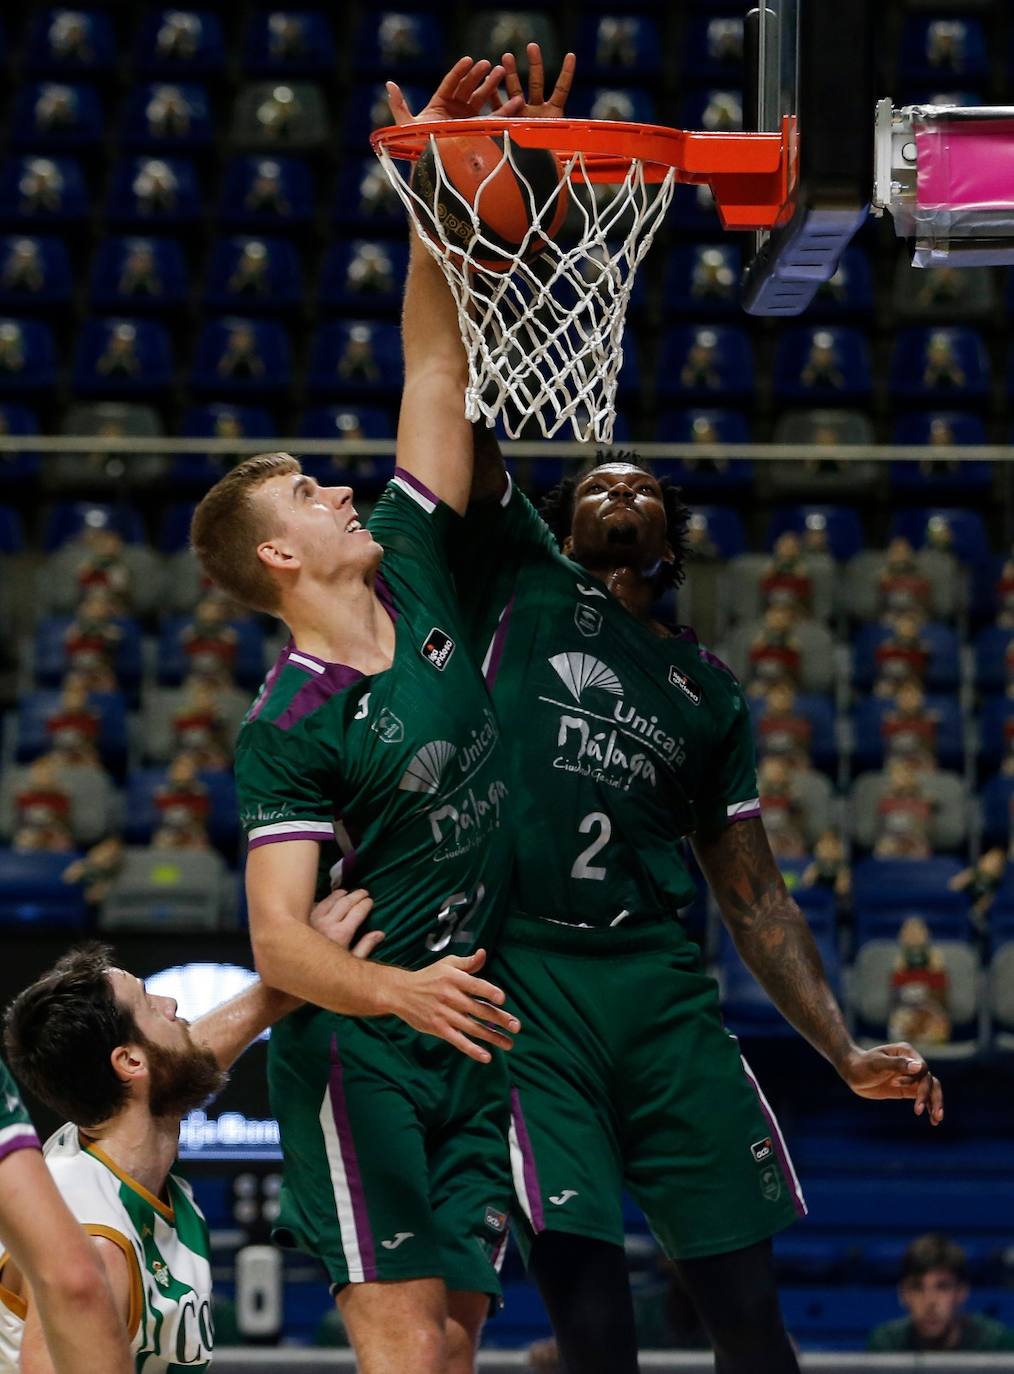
point(621, 742)
point(16, 1130)
point(399, 776)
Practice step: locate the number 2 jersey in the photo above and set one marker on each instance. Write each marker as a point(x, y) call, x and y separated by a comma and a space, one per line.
point(165, 1243)
point(621, 741)
point(400, 775)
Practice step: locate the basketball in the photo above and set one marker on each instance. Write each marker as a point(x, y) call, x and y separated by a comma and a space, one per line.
point(478, 171)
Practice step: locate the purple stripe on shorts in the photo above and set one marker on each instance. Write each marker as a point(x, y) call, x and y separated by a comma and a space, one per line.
point(343, 1126)
point(531, 1174)
point(321, 687)
point(418, 486)
point(24, 1140)
point(779, 1144)
point(499, 643)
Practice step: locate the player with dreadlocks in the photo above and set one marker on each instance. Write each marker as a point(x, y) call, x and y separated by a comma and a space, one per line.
point(625, 736)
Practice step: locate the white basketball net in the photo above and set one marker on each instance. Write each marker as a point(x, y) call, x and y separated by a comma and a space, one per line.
point(544, 338)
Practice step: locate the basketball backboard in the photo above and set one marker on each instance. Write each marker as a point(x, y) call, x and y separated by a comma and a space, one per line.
point(811, 62)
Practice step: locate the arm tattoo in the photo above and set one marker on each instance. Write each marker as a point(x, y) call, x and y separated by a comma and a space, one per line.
point(771, 934)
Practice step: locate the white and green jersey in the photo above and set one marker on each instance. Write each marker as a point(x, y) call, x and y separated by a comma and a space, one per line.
point(167, 1250)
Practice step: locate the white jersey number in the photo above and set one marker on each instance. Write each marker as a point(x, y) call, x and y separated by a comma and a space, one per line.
point(451, 919)
point(583, 866)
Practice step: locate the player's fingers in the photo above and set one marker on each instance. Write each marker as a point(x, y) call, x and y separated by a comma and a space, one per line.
point(487, 89)
point(479, 990)
point(357, 913)
point(564, 82)
point(536, 74)
point(470, 963)
point(480, 1030)
point(467, 1047)
point(449, 84)
point(363, 948)
point(511, 78)
point(399, 105)
point(936, 1100)
point(471, 80)
point(496, 1015)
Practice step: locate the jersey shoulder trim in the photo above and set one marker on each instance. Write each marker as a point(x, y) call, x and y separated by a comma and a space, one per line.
point(157, 1205)
point(321, 832)
point(404, 481)
point(15, 1305)
point(118, 1239)
point(321, 682)
point(749, 810)
point(19, 1136)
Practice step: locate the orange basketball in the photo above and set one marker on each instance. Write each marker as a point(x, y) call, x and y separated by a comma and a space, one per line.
point(477, 169)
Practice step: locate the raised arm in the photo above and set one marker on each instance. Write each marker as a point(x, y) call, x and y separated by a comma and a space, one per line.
point(777, 946)
point(434, 438)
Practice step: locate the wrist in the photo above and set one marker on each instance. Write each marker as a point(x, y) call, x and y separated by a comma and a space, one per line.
point(845, 1057)
point(385, 989)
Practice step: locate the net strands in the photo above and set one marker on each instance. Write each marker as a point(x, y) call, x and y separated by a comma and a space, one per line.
point(543, 329)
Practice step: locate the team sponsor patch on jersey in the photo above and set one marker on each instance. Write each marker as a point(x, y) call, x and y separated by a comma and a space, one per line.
point(762, 1149)
point(770, 1183)
point(390, 729)
point(588, 620)
point(438, 648)
point(686, 684)
point(496, 1220)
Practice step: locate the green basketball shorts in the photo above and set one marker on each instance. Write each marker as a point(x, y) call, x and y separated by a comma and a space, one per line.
point(395, 1152)
point(624, 1077)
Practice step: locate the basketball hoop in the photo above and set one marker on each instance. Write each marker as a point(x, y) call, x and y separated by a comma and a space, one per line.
point(542, 318)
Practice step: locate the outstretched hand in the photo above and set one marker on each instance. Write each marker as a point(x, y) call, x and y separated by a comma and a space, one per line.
point(535, 106)
point(462, 94)
point(895, 1071)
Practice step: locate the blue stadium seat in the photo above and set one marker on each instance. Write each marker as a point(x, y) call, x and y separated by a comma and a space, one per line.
point(716, 110)
point(840, 524)
point(849, 292)
point(703, 478)
point(52, 115)
point(253, 274)
point(819, 711)
point(630, 104)
point(940, 365)
point(27, 356)
point(399, 44)
point(996, 728)
point(18, 469)
point(702, 280)
point(174, 527)
point(723, 527)
point(809, 1259)
point(364, 198)
point(122, 357)
point(706, 362)
point(818, 902)
point(714, 49)
point(180, 43)
point(926, 429)
point(173, 661)
point(893, 885)
point(39, 191)
point(822, 365)
point(12, 531)
point(838, 1318)
point(355, 357)
point(348, 422)
point(947, 51)
point(238, 357)
point(213, 421)
point(294, 42)
point(31, 738)
point(146, 192)
point(884, 922)
point(867, 724)
point(34, 270)
point(66, 42)
point(51, 662)
point(618, 47)
point(68, 519)
point(143, 817)
point(943, 672)
point(991, 658)
point(168, 116)
point(33, 893)
point(995, 799)
point(963, 531)
point(138, 273)
point(266, 193)
point(367, 109)
point(363, 275)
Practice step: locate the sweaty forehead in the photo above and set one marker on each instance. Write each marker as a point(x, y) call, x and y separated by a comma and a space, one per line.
point(616, 470)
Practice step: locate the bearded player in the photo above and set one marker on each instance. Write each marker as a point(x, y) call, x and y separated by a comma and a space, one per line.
point(75, 1308)
point(123, 1069)
point(373, 751)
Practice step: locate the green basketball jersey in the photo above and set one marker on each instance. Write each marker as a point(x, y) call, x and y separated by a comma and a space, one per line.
point(400, 775)
point(621, 742)
point(165, 1243)
point(16, 1130)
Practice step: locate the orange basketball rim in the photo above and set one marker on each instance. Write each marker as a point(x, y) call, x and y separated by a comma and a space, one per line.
point(752, 176)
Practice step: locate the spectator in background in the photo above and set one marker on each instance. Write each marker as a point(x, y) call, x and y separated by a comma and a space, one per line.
point(904, 815)
point(981, 882)
point(830, 867)
point(934, 1290)
point(98, 869)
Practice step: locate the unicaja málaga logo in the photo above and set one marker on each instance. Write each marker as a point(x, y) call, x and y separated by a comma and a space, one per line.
point(581, 671)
